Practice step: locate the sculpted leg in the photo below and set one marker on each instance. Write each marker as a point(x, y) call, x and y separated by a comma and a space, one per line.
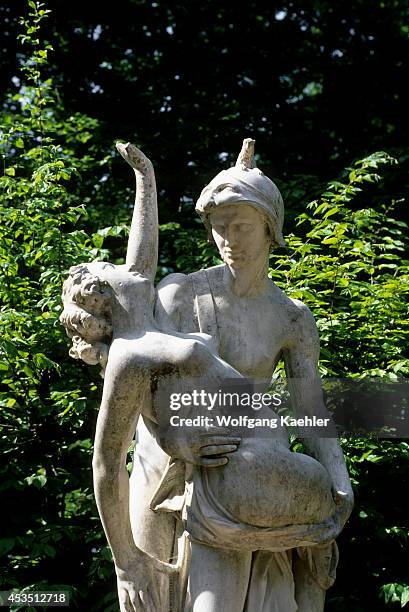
point(153, 532)
point(309, 595)
point(218, 579)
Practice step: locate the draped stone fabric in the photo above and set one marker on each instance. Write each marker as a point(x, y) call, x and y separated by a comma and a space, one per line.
point(271, 586)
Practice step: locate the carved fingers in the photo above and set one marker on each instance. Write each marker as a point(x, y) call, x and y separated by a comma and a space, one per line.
point(128, 598)
point(208, 462)
point(207, 449)
point(132, 600)
point(138, 589)
point(212, 454)
point(135, 158)
point(221, 449)
point(146, 601)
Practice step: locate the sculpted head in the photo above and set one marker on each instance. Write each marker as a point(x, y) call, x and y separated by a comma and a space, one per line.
point(245, 194)
point(87, 315)
point(88, 296)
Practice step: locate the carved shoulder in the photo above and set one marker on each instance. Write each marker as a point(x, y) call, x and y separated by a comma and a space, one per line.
point(173, 296)
point(304, 333)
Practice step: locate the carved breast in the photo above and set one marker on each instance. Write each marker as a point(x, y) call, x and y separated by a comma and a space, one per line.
point(252, 335)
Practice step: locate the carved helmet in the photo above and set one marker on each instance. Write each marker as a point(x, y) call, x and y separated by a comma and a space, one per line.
point(245, 183)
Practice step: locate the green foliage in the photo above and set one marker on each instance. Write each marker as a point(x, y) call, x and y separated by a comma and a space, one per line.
point(184, 250)
point(348, 266)
point(396, 593)
point(46, 420)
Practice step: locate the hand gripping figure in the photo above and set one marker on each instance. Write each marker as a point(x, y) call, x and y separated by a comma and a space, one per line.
point(208, 521)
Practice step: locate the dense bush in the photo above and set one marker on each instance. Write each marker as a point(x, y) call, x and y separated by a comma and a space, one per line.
point(52, 535)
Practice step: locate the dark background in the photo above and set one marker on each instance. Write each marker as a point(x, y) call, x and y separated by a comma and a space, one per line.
point(317, 84)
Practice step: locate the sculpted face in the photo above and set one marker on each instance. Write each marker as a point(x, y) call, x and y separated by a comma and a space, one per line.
point(102, 281)
point(241, 234)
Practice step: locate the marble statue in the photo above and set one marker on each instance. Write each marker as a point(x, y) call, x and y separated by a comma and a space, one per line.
point(210, 520)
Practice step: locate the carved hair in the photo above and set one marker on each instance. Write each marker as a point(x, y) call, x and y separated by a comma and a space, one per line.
point(87, 316)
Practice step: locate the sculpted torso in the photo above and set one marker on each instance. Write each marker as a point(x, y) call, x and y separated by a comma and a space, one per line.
point(282, 487)
point(253, 330)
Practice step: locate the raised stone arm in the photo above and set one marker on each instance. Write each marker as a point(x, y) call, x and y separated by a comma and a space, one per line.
point(108, 306)
point(143, 237)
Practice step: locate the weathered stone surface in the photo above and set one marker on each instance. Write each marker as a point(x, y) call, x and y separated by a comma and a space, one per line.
point(210, 520)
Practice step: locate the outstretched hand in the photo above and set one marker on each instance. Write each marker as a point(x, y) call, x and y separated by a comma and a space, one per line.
point(138, 588)
point(135, 158)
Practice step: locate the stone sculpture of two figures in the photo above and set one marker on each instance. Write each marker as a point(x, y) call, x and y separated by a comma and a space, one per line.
point(211, 521)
